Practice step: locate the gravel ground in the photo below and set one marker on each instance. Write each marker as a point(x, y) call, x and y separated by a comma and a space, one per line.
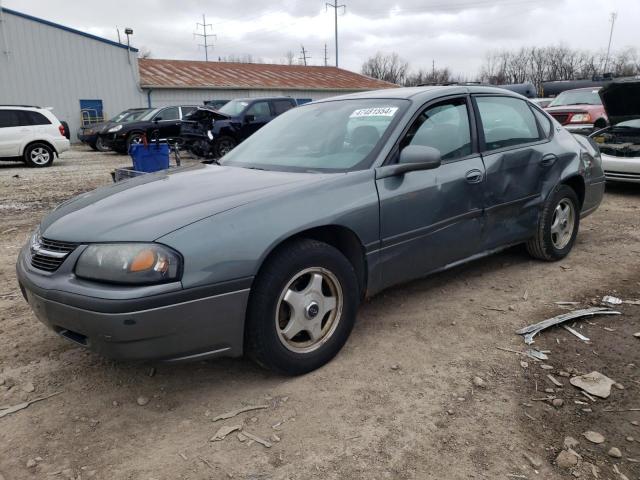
point(398, 402)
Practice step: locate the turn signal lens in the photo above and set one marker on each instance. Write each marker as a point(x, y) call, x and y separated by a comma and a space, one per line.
point(145, 260)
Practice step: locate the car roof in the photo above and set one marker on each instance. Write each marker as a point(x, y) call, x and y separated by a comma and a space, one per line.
point(427, 92)
point(252, 99)
point(23, 107)
point(583, 89)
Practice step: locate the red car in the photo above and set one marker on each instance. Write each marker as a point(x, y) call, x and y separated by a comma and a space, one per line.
point(579, 110)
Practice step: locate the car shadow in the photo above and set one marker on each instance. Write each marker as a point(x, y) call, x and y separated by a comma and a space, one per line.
point(623, 188)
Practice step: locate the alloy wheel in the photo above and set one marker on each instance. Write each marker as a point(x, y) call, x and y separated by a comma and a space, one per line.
point(563, 223)
point(309, 310)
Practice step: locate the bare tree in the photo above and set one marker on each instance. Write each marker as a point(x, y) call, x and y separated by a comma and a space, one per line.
point(427, 77)
point(289, 58)
point(388, 67)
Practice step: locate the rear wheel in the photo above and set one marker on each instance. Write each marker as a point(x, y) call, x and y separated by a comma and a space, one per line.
point(302, 308)
point(558, 226)
point(38, 155)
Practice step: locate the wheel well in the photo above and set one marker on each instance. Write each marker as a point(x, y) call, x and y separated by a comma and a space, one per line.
point(40, 141)
point(577, 184)
point(341, 238)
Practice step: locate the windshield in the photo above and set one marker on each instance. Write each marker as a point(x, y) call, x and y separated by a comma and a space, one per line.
point(577, 97)
point(333, 136)
point(148, 114)
point(135, 115)
point(234, 107)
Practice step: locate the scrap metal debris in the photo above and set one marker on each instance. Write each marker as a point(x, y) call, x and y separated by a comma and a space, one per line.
point(257, 439)
point(4, 411)
point(233, 413)
point(611, 300)
point(576, 333)
point(594, 383)
point(532, 330)
point(224, 431)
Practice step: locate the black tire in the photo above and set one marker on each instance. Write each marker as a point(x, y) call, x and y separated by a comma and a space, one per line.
point(264, 341)
point(100, 146)
point(38, 155)
point(223, 145)
point(94, 146)
point(135, 137)
point(544, 245)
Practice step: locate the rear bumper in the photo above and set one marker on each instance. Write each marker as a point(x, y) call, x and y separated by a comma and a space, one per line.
point(207, 327)
point(61, 145)
point(621, 169)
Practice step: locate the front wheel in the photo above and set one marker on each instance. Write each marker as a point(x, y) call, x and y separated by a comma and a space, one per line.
point(134, 139)
point(223, 145)
point(558, 226)
point(100, 146)
point(38, 155)
point(302, 308)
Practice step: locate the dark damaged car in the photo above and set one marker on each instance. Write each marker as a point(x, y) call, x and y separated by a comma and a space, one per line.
point(212, 133)
point(620, 142)
point(270, 253)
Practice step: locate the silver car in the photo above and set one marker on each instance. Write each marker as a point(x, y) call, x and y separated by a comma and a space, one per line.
point(271, 252)
point(620, 142)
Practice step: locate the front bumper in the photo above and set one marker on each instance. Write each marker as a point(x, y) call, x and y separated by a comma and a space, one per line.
point(154, 328)
point(621, 169)
point(114, 141)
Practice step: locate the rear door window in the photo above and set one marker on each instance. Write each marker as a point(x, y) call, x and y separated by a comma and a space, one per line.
point(9, 118)
point(281, 106)
point(187, 110)
point(506, 122)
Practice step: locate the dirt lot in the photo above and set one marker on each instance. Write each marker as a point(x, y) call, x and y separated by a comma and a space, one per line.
point(399, 401)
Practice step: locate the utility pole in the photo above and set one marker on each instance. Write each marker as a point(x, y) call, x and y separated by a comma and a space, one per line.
point(335, 7)
point(205, 35)
point(326, 56)
point(303, 55)
point(614, 15)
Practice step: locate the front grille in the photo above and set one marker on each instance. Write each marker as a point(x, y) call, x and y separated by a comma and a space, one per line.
point(42, 254)
point(561, 117)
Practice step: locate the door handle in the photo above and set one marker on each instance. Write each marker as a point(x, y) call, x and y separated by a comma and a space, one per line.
point(474, 176)
point(548, 160)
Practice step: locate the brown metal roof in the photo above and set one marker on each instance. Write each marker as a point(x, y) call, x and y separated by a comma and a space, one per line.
point(194, 74)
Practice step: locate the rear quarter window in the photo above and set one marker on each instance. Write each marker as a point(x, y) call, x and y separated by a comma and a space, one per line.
point(281, 106)
point(34, 118)
point(545, 123)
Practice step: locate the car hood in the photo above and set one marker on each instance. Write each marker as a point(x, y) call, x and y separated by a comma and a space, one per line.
point(152, 205)
point(206, 113)
point(621, 100)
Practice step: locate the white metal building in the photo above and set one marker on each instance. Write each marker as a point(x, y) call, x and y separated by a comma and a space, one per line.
point(50, 65)
point(185, 82)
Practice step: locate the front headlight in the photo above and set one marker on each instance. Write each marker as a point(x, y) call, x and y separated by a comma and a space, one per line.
point(580, 118)
point(129, 263)
point(115, 129)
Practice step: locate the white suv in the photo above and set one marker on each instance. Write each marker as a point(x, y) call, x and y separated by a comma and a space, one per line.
point(31, 133)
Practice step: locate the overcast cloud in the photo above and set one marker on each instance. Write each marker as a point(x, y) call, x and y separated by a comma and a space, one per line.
point(455, 33)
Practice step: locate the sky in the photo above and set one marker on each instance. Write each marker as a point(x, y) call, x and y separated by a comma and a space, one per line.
point(455, 34)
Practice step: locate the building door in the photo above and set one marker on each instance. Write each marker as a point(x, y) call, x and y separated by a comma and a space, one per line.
point(91, 112)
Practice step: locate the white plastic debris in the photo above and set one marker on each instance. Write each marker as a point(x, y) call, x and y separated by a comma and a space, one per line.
point(611, 300)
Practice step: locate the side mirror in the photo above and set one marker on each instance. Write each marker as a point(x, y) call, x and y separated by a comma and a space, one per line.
point(249, 118)
point(412, 158)
point(157, 119)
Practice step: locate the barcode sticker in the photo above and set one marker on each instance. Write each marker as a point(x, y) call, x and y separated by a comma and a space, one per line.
point(374, 112)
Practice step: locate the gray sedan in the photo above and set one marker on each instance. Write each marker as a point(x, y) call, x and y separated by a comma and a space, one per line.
point(271, 252)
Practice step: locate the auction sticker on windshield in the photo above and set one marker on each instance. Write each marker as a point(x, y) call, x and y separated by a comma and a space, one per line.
point(374, 112)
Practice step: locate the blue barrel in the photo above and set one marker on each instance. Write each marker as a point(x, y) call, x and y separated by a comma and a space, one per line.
point(150, 158)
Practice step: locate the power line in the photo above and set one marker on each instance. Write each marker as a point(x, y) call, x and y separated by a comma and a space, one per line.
point(205, 35)
point(335, 7)
point(304, 55)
